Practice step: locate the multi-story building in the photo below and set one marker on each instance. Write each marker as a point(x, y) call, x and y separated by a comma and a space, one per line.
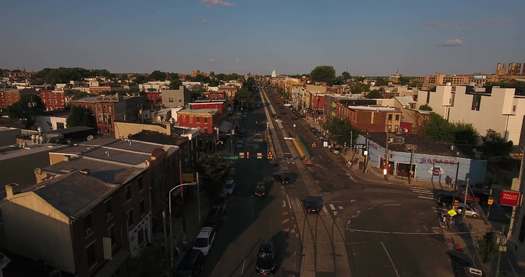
point(207, 105)
point(205, 119)
point(155, 86)
point(229, 91)
point(173, 98)
point(8, 97)
point(107, 109)
point(371, 118)
point(510, 69)
point(494, 109)
point(53, 99)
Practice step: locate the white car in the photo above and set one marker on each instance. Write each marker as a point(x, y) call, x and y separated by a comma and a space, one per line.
point(204, 240)
point(468, 210)
point(229, 187)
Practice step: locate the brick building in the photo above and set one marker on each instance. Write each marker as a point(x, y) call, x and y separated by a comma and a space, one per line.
point(8, 97)
point(96, 205)
point(207, 105)
point(107, 109)
point(53, 99)
point(215, 95)
point(371, 118)
point(205, 119)
point(153, 97)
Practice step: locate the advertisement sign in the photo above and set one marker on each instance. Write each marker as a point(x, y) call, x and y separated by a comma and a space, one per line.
point(509, 198)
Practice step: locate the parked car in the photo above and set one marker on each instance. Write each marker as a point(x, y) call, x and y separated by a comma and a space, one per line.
point(260, 189)
point(265, 263)
point(313, 204)
point(191, 265)
point(204, 240)
point(229, 187)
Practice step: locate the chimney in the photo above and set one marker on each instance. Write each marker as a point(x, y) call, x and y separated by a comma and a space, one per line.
point(10, 190)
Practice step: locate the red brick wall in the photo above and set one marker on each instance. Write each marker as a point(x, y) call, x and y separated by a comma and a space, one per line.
point(104, 113)
point(219, 106)
point(53, 100)
point(206, 123)
point(8, 98)
point(317, 102)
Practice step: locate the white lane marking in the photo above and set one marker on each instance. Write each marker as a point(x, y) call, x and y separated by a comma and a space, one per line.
point(424, 197)
point(288, 200)
point(390, 258)
point(242, 269)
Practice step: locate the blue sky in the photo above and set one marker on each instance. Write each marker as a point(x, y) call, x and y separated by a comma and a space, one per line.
point(292, 36)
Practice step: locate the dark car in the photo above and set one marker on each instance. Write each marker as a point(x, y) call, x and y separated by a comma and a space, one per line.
point(265, 264)
point(313, 204)
point(191, 265)
point(260, 189)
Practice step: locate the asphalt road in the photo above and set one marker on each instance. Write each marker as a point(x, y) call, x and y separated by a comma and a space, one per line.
point(379, 229)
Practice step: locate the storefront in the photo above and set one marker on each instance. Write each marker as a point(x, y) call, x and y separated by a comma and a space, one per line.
point(423, 165)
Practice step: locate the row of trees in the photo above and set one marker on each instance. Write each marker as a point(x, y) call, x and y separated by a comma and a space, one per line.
point(341, 131)
point(65, 74)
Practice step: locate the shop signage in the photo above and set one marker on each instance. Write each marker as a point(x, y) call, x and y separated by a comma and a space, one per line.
point(436, 161)
point(509, 198)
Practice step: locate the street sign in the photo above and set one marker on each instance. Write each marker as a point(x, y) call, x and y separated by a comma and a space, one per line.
point(509, 198)
point(436, 171)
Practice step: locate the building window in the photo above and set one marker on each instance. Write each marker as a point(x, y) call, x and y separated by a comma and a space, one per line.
point(142, 206)
point(130, 217)
point(397, 117)
point(389, 116)
point(128, 192)
point(513, 108)
point(88, 224)
point(91, 255)
point(205, 120)
point(476, 102)
point(170, 100)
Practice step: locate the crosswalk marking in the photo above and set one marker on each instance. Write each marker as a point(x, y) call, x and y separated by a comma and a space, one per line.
point(423, 193)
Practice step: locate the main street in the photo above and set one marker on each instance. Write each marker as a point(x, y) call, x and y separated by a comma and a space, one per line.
point(377, 229)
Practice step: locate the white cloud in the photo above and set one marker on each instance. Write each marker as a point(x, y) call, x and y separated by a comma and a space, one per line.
point(222, 3)
point(456, 42)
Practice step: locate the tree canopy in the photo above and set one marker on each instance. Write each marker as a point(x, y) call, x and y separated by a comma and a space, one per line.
point(158, 75)
point(462, 135)
point(375, 94)
point(214, 170)
point(26, 108)
point(65, 74)
point(341, 131)
point(495, 146)
point(79, 116)
point(425, 108)
point(358, 87)
point(323, 73)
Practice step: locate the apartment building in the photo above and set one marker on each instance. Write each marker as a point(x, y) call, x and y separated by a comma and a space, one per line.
point(496, 109)
point(371, 118)
point(205, 119)
point(173, 98)
point(53, 99)
point(107, 109)
point(8, 97)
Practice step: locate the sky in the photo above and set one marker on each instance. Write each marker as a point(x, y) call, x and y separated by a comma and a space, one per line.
point(370, 37)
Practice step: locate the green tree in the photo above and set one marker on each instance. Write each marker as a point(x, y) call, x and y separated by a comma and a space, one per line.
point(381, 81)
point(425, 108)
point(157, 75)
point(79, 116)
point(214, 170)
point(341, 131)
point(346, 76)
point(495, 146)
point(26, 108)
point(375, 94)
point(437, 128)
point(358, 88)
point(323, 73)
point(65, 74)
point(175, 83)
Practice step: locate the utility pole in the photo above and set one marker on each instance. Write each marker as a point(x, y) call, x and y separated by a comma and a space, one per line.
point(410, 166)
point(385, 170)
point(466, 191)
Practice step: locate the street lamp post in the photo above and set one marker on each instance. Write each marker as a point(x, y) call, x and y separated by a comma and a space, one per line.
point(170, 211)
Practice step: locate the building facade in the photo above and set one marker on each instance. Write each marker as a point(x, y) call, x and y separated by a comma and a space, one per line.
point(8, 97)
point(206, 120)
point(173, 98)
point(371, 118)
point(53, 99)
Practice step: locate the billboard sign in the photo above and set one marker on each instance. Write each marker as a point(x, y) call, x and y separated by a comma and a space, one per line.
point(509, 198)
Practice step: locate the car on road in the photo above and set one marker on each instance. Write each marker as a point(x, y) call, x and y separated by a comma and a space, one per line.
point(229, 187)
point(191, 265)
point(204, 240)
point(260, 189)
point(313, 204)
point(467, 210)
point(266, 263)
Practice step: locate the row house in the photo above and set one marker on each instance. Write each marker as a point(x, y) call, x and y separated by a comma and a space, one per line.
point(215, 95)
point(107, 109)
point(371, 118)
point(205, 119)
point(8, 97)
point(487, 109)
point(53, 99)
point(206, 105)
point(229, 91)
point(96, 205)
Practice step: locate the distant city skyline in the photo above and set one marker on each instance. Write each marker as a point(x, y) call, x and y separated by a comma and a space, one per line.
point(242, 36)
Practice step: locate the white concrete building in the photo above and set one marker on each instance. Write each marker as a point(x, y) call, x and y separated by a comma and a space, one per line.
point(497, 109)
